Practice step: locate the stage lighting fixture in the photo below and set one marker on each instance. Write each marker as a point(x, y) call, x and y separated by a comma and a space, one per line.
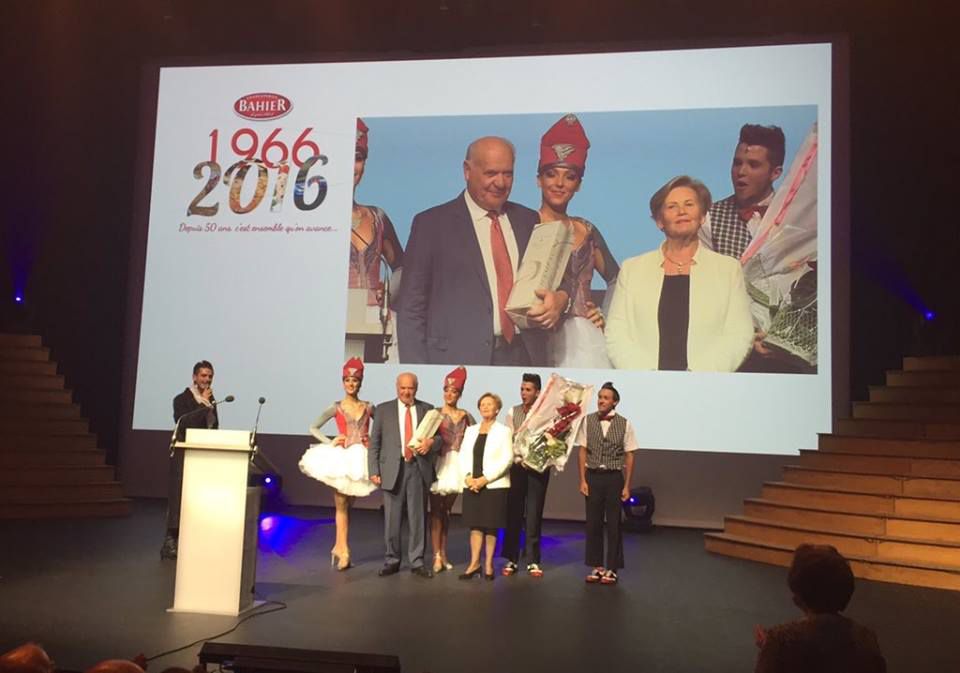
point(638, 510)
point(262, 659)
point(929, 315)
point(18, 299)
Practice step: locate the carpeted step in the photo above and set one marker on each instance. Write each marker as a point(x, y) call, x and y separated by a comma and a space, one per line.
point(34, 426)
point(25, 382)
point(20, 354)
point(38, 412)
point(20, 341)
point(12, 460)
point(81, 509)
point(106, 490)
point(27, 368)
point(57, 475)
point(42, 443)
point(20, 396)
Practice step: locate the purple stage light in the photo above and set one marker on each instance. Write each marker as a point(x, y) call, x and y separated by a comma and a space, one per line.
point(268, 480)
point(18, 299)
point(929, 315)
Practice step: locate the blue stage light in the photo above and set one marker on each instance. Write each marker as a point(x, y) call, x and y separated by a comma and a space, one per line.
point(268, 480)
point(18, 299)
point(929, 315)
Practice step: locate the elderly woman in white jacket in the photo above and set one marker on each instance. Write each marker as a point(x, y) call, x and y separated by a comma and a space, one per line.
point(485, 458)
point(681, 306)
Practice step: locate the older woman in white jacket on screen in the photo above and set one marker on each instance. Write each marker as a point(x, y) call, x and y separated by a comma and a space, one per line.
point(485, 458)
point(681, 306)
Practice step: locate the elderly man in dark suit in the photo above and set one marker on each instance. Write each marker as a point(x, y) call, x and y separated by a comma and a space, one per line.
point(403, 473)
point(461, 261)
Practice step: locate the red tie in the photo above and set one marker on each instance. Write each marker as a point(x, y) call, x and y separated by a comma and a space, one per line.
point(407, 435)
point(504, 270)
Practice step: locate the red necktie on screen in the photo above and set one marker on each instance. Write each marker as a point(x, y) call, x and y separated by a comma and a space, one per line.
point(504, 271)
point(407, 435)
point(746, 214)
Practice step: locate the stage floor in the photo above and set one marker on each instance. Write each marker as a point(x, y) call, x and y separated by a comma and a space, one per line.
point(91, 590)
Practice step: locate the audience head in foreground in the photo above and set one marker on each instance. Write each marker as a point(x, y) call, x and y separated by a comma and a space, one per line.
point(825, 641)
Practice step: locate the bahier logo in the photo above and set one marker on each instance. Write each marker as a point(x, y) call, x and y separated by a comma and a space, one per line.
point(262, 106)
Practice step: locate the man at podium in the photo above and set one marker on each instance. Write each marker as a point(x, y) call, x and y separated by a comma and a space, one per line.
point(195, 407)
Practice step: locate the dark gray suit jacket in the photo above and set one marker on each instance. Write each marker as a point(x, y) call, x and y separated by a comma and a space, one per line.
point(445, 315)
point(386, 446)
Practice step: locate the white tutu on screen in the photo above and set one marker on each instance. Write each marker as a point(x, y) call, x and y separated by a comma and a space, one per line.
point(449, 479)
point(344, 469)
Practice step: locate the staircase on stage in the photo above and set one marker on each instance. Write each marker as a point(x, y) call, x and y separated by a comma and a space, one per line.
point(884, 490)
point(50, 464)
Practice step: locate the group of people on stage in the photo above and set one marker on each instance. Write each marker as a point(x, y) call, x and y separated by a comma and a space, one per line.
point(683, 306)
point(377, 448)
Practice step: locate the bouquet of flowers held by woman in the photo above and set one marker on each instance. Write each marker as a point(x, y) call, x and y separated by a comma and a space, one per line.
point(546, 436)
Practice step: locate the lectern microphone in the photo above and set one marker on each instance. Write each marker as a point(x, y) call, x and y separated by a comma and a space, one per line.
point(176, 428)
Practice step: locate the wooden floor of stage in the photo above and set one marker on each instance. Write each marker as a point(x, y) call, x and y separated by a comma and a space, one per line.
point(96, 589)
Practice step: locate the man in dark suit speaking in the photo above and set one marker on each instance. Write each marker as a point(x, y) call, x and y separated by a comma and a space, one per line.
point(403, 473)
point(460, 264)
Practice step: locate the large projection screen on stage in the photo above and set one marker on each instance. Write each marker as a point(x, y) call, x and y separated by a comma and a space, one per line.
point(248, 230)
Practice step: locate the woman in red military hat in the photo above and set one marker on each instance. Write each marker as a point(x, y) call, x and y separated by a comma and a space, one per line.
point(341, 461)
point(449, 483)
point(372, 237)
point(578, 340)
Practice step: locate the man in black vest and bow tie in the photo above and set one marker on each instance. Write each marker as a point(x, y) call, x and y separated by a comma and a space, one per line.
point(605, 442)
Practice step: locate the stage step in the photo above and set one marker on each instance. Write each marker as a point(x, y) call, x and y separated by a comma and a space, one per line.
point(880, 464)
point(882, 446)
point(923, 378)
point(945, 395)
point(861, 503)
point(884, 484)
point(11, 396)
point(879, 546)
point(103, 490)
point(18, 459)
point(932, 575)
point(52, 475)
point(50, 464)
point(38, 412)
point(20, 341)
point(23, 382)
point(27, 368)
point(939, 362)
point(857, 524)
point(43, 443)
point(896, 411)
point(34, 426)
point(19, 354)
point(66, 510)
point(871, 427)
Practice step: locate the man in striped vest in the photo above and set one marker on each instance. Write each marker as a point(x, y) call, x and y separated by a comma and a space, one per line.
point(605, 442)
point(528, 492)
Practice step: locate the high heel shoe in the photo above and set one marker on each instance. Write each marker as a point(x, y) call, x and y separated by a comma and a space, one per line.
point(489, 576)
point(344, 561)
point(438, 565)
point(447, 565)
point(470, 574)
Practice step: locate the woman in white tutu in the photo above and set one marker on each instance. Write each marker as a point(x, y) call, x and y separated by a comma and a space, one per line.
point(449, 483)
point(578, 341)
point(341, 461)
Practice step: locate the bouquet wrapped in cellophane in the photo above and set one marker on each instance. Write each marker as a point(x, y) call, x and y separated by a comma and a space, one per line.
point(546, 436)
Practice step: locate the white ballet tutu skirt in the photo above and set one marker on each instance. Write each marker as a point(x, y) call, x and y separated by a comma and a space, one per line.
point(578, 343)
point(449, 479)
point(344, 469)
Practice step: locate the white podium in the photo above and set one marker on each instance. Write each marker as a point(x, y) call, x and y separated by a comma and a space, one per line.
point(217, 549)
